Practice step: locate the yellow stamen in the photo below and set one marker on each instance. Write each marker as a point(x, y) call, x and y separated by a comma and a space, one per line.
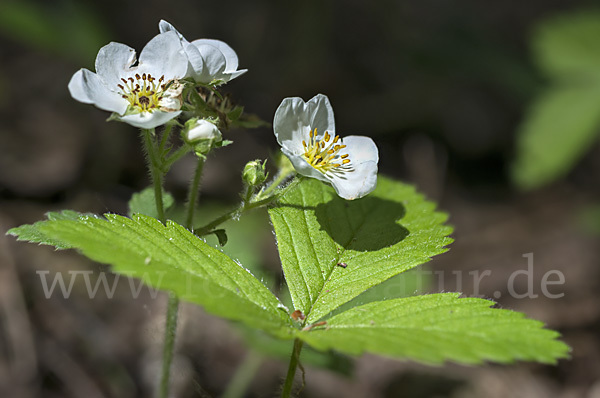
point(324, 155)
point(142, 93)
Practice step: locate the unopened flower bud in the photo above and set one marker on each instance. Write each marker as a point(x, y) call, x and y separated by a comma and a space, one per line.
point(254, 173)
point(201, 130)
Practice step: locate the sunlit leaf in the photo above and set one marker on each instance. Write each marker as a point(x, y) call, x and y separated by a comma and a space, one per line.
point(436, 328)
point(169, 258)
point(332, 249)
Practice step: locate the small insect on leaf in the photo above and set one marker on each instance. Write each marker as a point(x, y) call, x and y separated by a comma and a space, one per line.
point(343, 265)
point(297, 315)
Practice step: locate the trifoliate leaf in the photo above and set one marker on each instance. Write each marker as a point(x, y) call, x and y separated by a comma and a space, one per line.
point(169, 258)
point(332, 250)
point(436, 328)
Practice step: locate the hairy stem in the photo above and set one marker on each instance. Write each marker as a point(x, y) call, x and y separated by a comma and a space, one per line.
point(169, 344)
point(154, 164)
point(193, 193)
point(289, 379)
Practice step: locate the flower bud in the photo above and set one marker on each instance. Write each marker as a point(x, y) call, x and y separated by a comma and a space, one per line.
point(201, 130)
point(254, 173)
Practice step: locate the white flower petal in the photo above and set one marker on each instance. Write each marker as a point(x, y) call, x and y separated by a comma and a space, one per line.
point(78, 87)
point(87, 87)
point(147, 120)
point(321, 114)
point(164, 26)
point(231, 58)
point(112, 62)
point(164, 55)
point(196, 62)
point(214, 61)
point(358, 183)
point(209, 59)
point(233, 75)
point(360, 149)
point(362, 180)
point(294, 119)
point(291, 125)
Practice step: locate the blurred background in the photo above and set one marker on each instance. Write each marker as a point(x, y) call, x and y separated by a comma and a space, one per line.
point(492, 109)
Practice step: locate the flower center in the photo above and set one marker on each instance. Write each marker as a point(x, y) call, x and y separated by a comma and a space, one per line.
point(324, 155)
point(144, 92)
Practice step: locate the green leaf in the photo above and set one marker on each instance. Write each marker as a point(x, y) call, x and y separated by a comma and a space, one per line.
point(560, 127)
point(568, 46)
point(143, 202)
point(390, 231)
point(564, 120)
point(32, 232)
point(170, 258)
point(223, 143)
point(244, 236)
point(438, 327)
point(407, 284)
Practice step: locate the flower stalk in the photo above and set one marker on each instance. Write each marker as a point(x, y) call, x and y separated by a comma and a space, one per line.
point(156, 171)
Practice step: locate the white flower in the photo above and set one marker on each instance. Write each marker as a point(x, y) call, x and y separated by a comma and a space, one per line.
point(306, 133)
point(145, 95)
point(203, 130)
point(210, 60)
